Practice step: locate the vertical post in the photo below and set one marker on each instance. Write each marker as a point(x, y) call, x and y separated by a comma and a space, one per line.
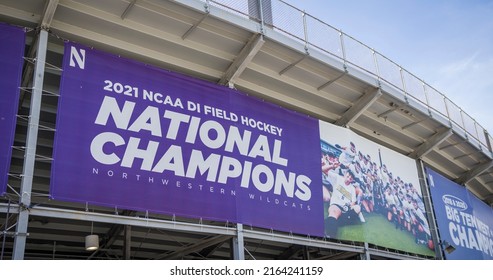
point(429, 209)
point(261, 14)
point(31, 142)
point(477, 134)
point(306, 253)
point(463, 125)
point(377, 67)
point(128, 242)
point(305, 30)
point(428, 106)
point(366, 254)
point(488, 141)
point(238, 244)
point(343, 48)
point(448, 110)
point(403, 84)
point(4, 235)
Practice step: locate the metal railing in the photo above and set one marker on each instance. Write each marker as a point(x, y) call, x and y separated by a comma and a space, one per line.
point(314, 33)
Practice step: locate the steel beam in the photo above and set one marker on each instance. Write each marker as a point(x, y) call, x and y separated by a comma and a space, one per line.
point(412, 124)
point(431, 143)
point(391, 255)
point(127, 249)
point(452, 145)
point(466, 155)
point(194, 26)
point(473, 173)
point(290, 252)
point(304, 241)
point(293, 64)
point(238, 245)
point(48, 14)
point(366, 254)
point(30, 152)
point(196, 247)
point(243, 59)
point(112, 234)
point(339, 256)
point(128, 9)
point(306, 253)
point(45, 24)
point(359, 107)
point(333, 80)
point(125, 220)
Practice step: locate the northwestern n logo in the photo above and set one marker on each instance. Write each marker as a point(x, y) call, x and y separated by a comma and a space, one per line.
point(77, 57)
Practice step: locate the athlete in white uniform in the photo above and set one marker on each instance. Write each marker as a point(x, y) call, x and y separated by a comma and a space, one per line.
point(347, 155)
point(390, 204)
point(343, 199)
point(408, 208)
point(344, 192)
point(421, 228)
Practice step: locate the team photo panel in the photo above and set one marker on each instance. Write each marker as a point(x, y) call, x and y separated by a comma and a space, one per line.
point(371, 193)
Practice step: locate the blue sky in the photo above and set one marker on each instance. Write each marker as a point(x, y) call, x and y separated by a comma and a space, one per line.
point(446, 43)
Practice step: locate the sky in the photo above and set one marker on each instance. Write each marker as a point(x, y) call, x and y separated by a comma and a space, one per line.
point(446, 43)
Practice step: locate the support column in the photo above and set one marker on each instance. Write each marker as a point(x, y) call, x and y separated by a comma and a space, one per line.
point(366, 254)
point(306, 253)
point(128, 242)
point(429, 208)
point(30, 153)
point(237, 244)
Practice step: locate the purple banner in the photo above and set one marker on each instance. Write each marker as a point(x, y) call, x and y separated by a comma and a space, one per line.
point(12, 40)
point(136, 137)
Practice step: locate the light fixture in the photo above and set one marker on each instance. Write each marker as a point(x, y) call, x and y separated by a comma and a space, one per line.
point(449, 248)
point(92, 241)
point(446, 247)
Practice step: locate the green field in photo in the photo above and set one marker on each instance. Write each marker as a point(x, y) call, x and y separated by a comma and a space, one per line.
point(379, 231)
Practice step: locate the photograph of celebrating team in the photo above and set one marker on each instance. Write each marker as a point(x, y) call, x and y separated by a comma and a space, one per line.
point(361, 179)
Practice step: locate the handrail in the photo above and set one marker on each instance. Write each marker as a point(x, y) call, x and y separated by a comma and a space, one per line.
point(315, 33)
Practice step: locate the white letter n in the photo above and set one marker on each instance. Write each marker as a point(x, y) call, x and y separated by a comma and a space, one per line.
point(77, 56)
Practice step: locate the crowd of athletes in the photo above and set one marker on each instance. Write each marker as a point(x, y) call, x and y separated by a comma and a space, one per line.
point(354, 185)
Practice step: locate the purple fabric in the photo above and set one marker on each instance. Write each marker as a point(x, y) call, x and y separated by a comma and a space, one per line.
point(207, 151)
point(11, 60)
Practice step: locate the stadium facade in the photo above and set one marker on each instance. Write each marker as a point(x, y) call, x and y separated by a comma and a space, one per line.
point(196, 129)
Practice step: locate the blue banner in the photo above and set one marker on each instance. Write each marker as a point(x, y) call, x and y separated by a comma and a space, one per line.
point(12, 40)
point(464, 221)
